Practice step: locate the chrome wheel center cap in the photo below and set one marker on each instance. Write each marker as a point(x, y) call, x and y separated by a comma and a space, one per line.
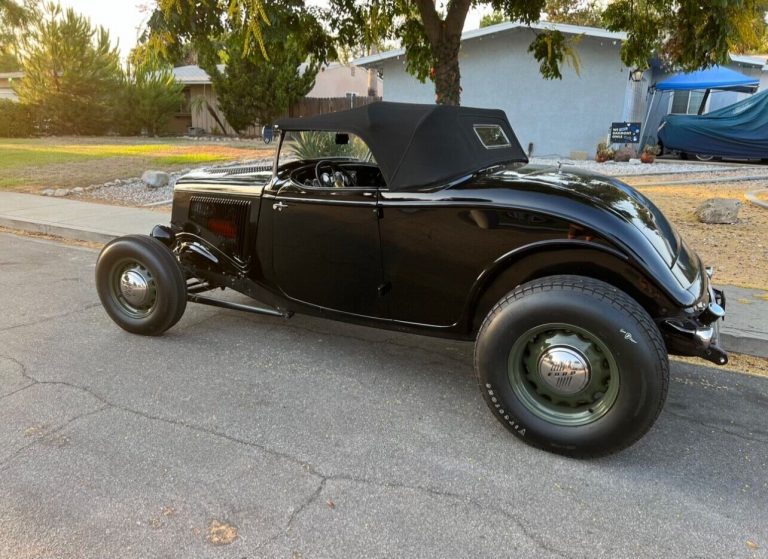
point(564, 369)
point(134, 287)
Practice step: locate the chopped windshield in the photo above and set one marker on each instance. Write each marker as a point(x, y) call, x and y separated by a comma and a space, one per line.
point(323, 145)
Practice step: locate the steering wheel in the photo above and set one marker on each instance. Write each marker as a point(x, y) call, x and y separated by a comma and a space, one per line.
point(336, 178)
point(325, 179)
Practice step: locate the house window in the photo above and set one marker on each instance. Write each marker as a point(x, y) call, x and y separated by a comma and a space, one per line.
point(686, 102)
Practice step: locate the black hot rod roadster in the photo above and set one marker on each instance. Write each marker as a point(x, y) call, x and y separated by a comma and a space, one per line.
point(429, 219)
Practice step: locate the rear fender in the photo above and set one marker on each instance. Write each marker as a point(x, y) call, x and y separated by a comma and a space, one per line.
point(579, 258)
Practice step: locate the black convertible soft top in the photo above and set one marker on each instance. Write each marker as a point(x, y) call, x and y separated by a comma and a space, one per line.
point(420, 145)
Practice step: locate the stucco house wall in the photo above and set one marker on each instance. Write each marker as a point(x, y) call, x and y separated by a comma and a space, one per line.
point(556, 116)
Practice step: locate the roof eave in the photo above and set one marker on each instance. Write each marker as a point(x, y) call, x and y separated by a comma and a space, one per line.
point(376, 59)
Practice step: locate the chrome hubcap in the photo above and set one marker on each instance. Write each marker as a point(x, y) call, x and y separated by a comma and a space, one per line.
point(134, 287)
point(564, 369)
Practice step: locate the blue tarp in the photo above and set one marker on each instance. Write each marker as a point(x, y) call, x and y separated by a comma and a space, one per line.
point(738, 130)
point(712, 78)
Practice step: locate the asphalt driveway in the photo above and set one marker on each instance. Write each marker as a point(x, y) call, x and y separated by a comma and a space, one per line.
point(239, 436)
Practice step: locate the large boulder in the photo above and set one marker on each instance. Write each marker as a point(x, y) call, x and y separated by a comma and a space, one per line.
point(155, 179)
point(719, 210)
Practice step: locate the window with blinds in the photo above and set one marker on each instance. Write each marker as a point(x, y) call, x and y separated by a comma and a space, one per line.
point(686, 102)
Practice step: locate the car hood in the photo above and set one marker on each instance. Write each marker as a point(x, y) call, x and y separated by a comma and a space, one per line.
point(259, 173)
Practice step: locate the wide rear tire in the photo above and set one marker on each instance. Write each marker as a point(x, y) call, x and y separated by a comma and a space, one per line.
point(141, 285)
point(572, 365)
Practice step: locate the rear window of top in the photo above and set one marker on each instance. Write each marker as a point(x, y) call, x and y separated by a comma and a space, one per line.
point(491, 136)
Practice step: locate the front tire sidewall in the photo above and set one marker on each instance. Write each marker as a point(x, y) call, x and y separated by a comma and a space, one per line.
point(641, 375)
point(169, 281)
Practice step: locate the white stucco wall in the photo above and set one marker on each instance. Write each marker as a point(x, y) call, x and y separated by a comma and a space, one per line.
point(558, 116)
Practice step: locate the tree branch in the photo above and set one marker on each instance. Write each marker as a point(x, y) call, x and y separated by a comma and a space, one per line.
point(431, 20)
point(457, 14)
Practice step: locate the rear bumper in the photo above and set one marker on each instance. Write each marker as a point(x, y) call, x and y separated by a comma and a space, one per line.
point(699, 334)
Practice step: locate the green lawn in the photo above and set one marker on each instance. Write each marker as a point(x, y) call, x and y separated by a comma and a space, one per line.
point(34, 164)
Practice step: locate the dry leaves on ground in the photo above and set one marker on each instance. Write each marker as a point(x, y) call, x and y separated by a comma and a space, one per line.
point(221, 533)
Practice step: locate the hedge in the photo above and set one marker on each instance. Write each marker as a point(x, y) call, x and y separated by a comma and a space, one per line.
point(15, 120)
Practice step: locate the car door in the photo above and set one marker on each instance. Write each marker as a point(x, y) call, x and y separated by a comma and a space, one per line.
point(326, 249)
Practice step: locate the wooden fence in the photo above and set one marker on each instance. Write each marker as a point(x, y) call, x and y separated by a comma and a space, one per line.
point(310, 106)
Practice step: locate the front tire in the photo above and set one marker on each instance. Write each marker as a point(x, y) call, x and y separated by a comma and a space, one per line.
point(141, 285)
point(572, 365)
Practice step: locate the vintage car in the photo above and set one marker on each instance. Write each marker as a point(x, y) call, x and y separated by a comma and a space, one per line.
point(429, 219)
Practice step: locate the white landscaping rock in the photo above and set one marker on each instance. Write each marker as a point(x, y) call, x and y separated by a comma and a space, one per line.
point(719, 210)
point(47, 192)
point(155, 179)
point(59, 192)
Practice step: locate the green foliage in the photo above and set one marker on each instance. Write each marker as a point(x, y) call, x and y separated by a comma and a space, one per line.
point(149, 97)
point(256, 86)
point(686, 34)
point(70, 73)
point(176, 22)
point(551, 49)
point(317, 145)
point(575, 12)
point(15, 119)
point(14, 17)
point(493, 18)
point(253, 89)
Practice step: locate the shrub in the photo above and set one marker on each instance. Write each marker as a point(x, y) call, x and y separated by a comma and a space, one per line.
point(15, 119)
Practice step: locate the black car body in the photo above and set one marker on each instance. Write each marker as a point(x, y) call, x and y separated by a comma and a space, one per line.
point(444, 231)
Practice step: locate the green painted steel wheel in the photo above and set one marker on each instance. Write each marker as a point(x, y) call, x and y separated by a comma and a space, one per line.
point(572, 365)
point(564, 374)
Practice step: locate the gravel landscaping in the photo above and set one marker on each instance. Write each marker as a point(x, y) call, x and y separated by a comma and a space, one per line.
point(134, 192)
point(621, 169)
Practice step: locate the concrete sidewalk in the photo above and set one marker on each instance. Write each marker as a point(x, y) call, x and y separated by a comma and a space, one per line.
point(71, 219)
point(745, 329)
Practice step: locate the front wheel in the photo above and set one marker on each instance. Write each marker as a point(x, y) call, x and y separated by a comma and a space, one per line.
point(572, 365)
point(141, 285)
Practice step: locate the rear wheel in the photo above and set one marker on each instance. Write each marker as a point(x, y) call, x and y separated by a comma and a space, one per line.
point(141, 285)
point(572, 365)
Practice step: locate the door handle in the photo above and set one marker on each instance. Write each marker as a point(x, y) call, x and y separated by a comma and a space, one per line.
point(279, 206)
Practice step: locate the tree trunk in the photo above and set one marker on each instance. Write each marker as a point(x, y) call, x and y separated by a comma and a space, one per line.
point(447, 75)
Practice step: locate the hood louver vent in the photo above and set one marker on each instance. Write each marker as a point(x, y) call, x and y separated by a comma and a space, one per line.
point(227, 219)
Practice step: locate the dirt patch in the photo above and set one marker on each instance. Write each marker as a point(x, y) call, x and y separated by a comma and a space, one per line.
point(739, 252)
point(54, 238)
point(737, 363)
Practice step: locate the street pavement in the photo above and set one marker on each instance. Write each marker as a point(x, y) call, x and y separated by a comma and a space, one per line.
point(307, 438)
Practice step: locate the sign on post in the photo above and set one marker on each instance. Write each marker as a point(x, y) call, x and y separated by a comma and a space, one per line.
point(625, 132)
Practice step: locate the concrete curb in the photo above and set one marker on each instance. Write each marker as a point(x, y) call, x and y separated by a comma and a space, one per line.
point(744, 343)
point(752, 197)
point(69, 232)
